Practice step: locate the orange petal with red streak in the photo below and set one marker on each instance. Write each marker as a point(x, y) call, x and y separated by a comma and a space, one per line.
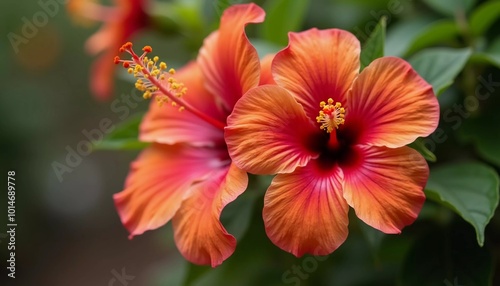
point(317, 65)
point(199, 234)
point(266, 76)
point(385, 186)
point(304, 211)
point(166, 124)
point(391, 105)
point(158, 182)
point(267, 132)
point(229, 62)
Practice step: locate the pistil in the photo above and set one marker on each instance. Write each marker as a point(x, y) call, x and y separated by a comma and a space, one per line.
point(152, 81)
point(331, 116)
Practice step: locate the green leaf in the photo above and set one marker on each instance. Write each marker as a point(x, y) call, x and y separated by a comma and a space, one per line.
point(374, 46)
point(171, 17)
point(437, 32)
point(124, 137)
point(479, 131)
point(423, 150)
point(483, 17)
point(373, 236)
point(440, 66)
point(469, 189)
point(451, 7)
point(447, 257)
point(237, 215)
point(490, 56)
point(401, 35)
point(283, 16)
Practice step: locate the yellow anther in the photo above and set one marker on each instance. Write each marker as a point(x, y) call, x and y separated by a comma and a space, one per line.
point(181, 108)
point(148, 72)
point(331, 115)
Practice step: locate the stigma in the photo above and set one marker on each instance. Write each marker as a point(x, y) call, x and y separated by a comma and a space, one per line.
point(152, 76)
point(331, 115)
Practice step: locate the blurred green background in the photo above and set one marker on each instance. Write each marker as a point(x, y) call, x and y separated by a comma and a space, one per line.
point(69, 232)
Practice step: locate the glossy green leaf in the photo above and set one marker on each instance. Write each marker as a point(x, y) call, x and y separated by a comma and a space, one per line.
point(490, 56)
point(447, 257)
point(423, 150)
point(451, 7)
point(479, 130)
point(124, 136)
point(237, 215)
point(401, 35)
point(483, 17)
point(374, 46)
point(437, 32)
point(440, 66)
point(283, 16)
point(470, 189)
point(171, 17)
point(374, 237)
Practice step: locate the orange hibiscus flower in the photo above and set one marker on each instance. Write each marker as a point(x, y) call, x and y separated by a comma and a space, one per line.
point(336, 138)
point(186, 175)
point(121, 22)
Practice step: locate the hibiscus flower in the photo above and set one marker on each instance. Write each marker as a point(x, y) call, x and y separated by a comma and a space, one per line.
point(336, 138)
point(186, 175)
point(121, 22)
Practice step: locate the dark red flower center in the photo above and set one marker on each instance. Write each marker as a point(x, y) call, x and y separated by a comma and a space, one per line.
point(334, 141)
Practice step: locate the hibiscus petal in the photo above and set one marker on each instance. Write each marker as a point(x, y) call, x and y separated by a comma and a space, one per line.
point(159, 181)
point(266, 77)
point(317, 65)
point(385, 186)
point(165, 124)
point(229, 62)
point(105, 39)
point(199, 235)
point(267, 132)
point(391, 105)
point(102, 75)
point(304, 212)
